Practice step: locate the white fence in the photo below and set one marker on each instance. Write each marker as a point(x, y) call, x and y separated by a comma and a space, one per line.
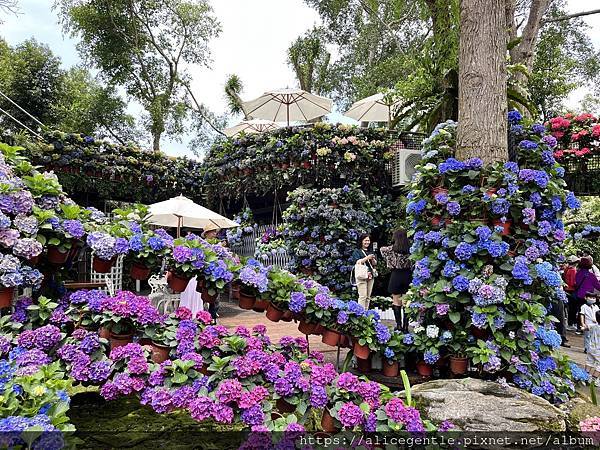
point(248, 248)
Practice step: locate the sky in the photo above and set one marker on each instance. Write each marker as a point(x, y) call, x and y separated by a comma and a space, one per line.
point(253, 42)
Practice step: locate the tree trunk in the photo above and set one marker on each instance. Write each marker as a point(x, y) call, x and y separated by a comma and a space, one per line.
point(524, 52)
point(156, 141)
point(482, 108)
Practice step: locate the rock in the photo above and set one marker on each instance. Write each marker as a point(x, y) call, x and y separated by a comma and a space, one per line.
point(577, 410)
point(477, 405)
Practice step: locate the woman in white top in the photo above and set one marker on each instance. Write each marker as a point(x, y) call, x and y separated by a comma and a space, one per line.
point(587, 316)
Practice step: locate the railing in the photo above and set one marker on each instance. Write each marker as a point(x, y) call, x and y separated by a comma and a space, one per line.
point(248, 249)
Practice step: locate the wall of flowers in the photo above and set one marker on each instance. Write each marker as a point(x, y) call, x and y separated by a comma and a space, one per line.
point(487, 243)
point(94, 170)
point(322, 155)
point(578, 150)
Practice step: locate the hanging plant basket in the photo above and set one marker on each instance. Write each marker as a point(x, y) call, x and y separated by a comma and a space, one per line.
point(307, 328)
point(331, 337)
point(361, 351)
point(208, 298)
point(274, 313)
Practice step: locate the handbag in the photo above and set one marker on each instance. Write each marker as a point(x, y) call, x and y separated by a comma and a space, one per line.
point(373, 269)
point(361, 272)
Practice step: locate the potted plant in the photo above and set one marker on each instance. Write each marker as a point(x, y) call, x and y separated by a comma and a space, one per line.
point(393, 353)
point(253, 278)
point(281, 284)
point(105, 248)
point(147, 250)
point(427, 341)
point(162, 337)
point(459, 362)
point(185, 259)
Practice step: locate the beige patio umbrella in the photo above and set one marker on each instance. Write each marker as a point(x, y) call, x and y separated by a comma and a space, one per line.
point(285, 105)
point(376, 108)
point(180, 211)
point(251, 127)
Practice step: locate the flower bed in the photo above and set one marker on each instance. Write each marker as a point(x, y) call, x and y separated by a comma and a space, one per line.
point(289, 157)
point(212, 373)
point(487, 241)
point(578, 150)
point(87, 165)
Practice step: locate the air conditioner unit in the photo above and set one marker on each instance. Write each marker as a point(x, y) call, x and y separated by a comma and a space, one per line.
point(404, 165)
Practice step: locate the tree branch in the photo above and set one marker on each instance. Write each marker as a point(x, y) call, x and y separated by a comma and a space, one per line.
point(199, 108)
point(571, 16)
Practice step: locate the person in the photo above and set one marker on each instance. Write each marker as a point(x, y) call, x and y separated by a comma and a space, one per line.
point(593, 354)
point(585, 282)
point(587, 318)
point(569, 276)
point(362, 255)
point(594, 268)
point(397, 259)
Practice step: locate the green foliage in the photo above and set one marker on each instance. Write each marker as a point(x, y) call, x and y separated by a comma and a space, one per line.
point(31, 75)
point(143, 45)
point(565, 60)
point(310, 59)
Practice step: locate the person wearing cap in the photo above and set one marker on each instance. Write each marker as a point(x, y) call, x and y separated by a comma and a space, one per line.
point(587, 318)
point(569, 275)
point(210, 232)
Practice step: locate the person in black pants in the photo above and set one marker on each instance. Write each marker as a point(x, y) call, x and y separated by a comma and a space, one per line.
point(397, 259)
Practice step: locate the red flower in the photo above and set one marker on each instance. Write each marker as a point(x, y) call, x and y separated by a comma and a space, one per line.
point(559, 154)
point(583, 151)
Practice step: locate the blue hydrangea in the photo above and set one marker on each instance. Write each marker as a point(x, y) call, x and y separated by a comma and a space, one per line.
point(560, 172)
point(430, 357)
point(548, 275)
point(450, 269)
point(549, 337)
point(416, 207)
point(433, 237)
point(479, 320)
point(451, 164)
point(538, 128)
point(514, 116)
point(548, 158)
point(297, 302)
point(408, 339)
point(464, 251)
point(512, 166)
point(453, 208)
point(520, 270)
point(528, 145)
point(389, 353)
point(544, 228)
point(572, 201)
point(468, 189)
point(460, 283)
point(382, 333)
point(546, 364)
point(578, 373)
point(500, 206)
point(483, 232)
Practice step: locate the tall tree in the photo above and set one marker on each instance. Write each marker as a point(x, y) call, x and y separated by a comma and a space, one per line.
point(32, 78)
point(72, 100)
point(482, 129)
point(144, 45)
point(310, 59)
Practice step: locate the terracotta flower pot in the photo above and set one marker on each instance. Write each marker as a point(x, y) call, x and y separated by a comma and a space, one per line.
point(159, 353)
point(235, 291)
point(139, 272)
point(199, 285)
point(33, 261)
point(283, 406)
point(390, 368)
point(307, 328)
point(424, 369)
point(274, 314)
point(306, 164)
point(177, 283)
point(260, 305)
point(458, 365)
point(435, 221)
point(288, 316)
point(505, 226)
point(331, 337)
point(345, 341)
point(103, 265)
point(104, 333)
point(363, 365)
point(119, 340)
point(361, 351)
point(6, 296)
point(55, 256)
point(328, 423)
point(246, 301)
point(208, 298)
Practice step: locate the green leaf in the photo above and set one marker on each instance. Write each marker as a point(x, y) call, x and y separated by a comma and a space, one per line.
point(454, 317)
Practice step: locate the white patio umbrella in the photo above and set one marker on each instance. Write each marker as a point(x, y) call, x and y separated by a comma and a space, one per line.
point(182, 212)
point(285, 105)
point(250, 127)
point(376, 108)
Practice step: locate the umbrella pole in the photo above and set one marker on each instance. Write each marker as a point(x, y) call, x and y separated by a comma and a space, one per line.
point(178, 226)
point(288, 113)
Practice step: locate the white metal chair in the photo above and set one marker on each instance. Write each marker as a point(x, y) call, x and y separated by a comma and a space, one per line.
point(161, 295)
